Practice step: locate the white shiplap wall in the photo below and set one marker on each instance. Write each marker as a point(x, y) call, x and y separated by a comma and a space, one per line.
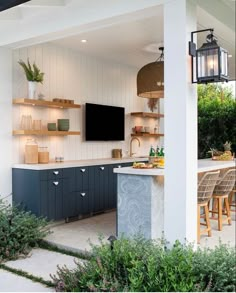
point(83, 78)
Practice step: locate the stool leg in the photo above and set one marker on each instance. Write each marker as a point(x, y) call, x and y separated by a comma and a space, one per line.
point(207, 220)
point(214, 207)
point(198, 223)
point(227, 210)
point(219, 214)
point(231, 197)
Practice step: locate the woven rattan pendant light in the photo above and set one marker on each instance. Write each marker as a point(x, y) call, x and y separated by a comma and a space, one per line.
point(150, 79)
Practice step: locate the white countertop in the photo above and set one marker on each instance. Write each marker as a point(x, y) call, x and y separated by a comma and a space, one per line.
point(210, 165)
point(78, 163)
point(204, 165)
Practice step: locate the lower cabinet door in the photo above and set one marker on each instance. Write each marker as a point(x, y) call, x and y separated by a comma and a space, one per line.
point(84, 202)
point(52, 199)
point(101, 188)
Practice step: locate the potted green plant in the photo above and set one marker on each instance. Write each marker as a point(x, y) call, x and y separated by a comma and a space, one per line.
point(33, 75)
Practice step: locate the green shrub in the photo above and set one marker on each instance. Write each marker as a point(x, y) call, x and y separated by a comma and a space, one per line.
point(19, 231)
point(216, 118)
point(216, 268)
point(140, 265)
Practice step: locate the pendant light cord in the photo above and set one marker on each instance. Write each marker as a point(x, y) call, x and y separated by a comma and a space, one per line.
point(161, 57)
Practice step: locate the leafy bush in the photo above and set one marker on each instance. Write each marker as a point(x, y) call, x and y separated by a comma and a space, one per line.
point(216, 118)
point(19, 231)
point(216, 269)
point(142, 265)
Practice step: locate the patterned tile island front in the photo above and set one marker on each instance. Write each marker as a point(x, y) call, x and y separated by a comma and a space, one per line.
point(140, 202)
point(140, 198)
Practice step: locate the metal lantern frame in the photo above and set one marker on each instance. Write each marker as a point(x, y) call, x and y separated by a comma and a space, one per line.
point(209, 53)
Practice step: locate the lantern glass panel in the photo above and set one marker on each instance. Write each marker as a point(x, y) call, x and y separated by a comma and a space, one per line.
point(224, 63)
point(208, 63)
point(212, 62)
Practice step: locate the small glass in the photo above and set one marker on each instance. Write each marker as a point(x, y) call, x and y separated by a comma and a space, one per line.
point(37, 125)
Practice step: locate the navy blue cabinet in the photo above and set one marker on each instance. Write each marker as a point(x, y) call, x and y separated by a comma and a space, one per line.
point(51, 200)
point(34, 191)
point(68, 192)
point(101, 188)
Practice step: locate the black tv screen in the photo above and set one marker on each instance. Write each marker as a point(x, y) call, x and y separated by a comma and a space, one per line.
point(104, 122)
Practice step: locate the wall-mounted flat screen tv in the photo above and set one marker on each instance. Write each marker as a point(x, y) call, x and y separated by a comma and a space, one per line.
point(103, 122)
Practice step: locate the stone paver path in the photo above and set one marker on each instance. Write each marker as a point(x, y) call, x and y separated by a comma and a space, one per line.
point(42, 263)
point(10, 282)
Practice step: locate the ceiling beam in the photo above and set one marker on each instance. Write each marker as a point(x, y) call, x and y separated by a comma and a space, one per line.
point(6, 4)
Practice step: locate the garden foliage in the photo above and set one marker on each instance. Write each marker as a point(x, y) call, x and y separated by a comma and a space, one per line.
point(142, 265)
point(216, 118)
point(19, 231)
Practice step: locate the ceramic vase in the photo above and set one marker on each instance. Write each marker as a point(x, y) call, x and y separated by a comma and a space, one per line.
point(32, 89)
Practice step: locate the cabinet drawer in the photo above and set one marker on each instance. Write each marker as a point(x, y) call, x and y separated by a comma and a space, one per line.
point(55, 174)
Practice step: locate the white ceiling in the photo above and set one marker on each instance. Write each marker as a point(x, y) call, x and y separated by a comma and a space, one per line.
point(123, 42)
point(126, 41)
point(117, 30)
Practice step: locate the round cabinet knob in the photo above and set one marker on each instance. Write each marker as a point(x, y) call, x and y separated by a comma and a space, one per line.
point(55, 172)
point(102, 168)
point(82, 194)
point(119, 166)
point(82, 170)
point(55, 183)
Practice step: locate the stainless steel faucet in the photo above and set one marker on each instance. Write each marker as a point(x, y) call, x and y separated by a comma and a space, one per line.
point(130, 146)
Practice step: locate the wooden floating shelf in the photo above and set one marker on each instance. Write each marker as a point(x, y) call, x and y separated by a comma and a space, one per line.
point(147, 115)
point(43, 103)
point(45, 132)
point(147, 134)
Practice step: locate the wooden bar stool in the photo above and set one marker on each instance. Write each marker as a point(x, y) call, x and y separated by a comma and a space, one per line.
point(231, 202)
point(205, 189)
point(221, 193)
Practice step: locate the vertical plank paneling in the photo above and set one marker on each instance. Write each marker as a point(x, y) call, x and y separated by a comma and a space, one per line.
point(84, 78)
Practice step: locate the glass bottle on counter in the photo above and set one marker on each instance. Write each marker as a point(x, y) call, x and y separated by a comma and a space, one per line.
point(152, 152)
point(161, 153)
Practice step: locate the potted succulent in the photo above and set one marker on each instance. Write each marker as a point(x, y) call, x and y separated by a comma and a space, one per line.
point(33, 75)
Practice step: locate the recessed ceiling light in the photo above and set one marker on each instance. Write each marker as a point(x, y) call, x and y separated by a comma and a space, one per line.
point(230, 56)
point(83, 41)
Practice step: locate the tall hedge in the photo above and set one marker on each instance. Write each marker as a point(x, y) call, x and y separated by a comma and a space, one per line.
point(216, 118)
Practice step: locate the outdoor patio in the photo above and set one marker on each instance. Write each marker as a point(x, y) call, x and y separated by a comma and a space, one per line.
point(78, 235)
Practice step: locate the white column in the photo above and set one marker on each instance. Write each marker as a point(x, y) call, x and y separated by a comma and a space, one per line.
point(180, 219)
point(5, 122)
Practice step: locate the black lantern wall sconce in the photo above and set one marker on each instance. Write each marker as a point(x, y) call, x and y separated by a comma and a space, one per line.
point(210, 61)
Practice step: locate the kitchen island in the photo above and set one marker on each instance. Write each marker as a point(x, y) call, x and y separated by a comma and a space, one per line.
point(140, 198)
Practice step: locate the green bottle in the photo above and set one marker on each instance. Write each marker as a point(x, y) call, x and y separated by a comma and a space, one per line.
point(157, 151)
point(161, 153)
point(151, 152)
